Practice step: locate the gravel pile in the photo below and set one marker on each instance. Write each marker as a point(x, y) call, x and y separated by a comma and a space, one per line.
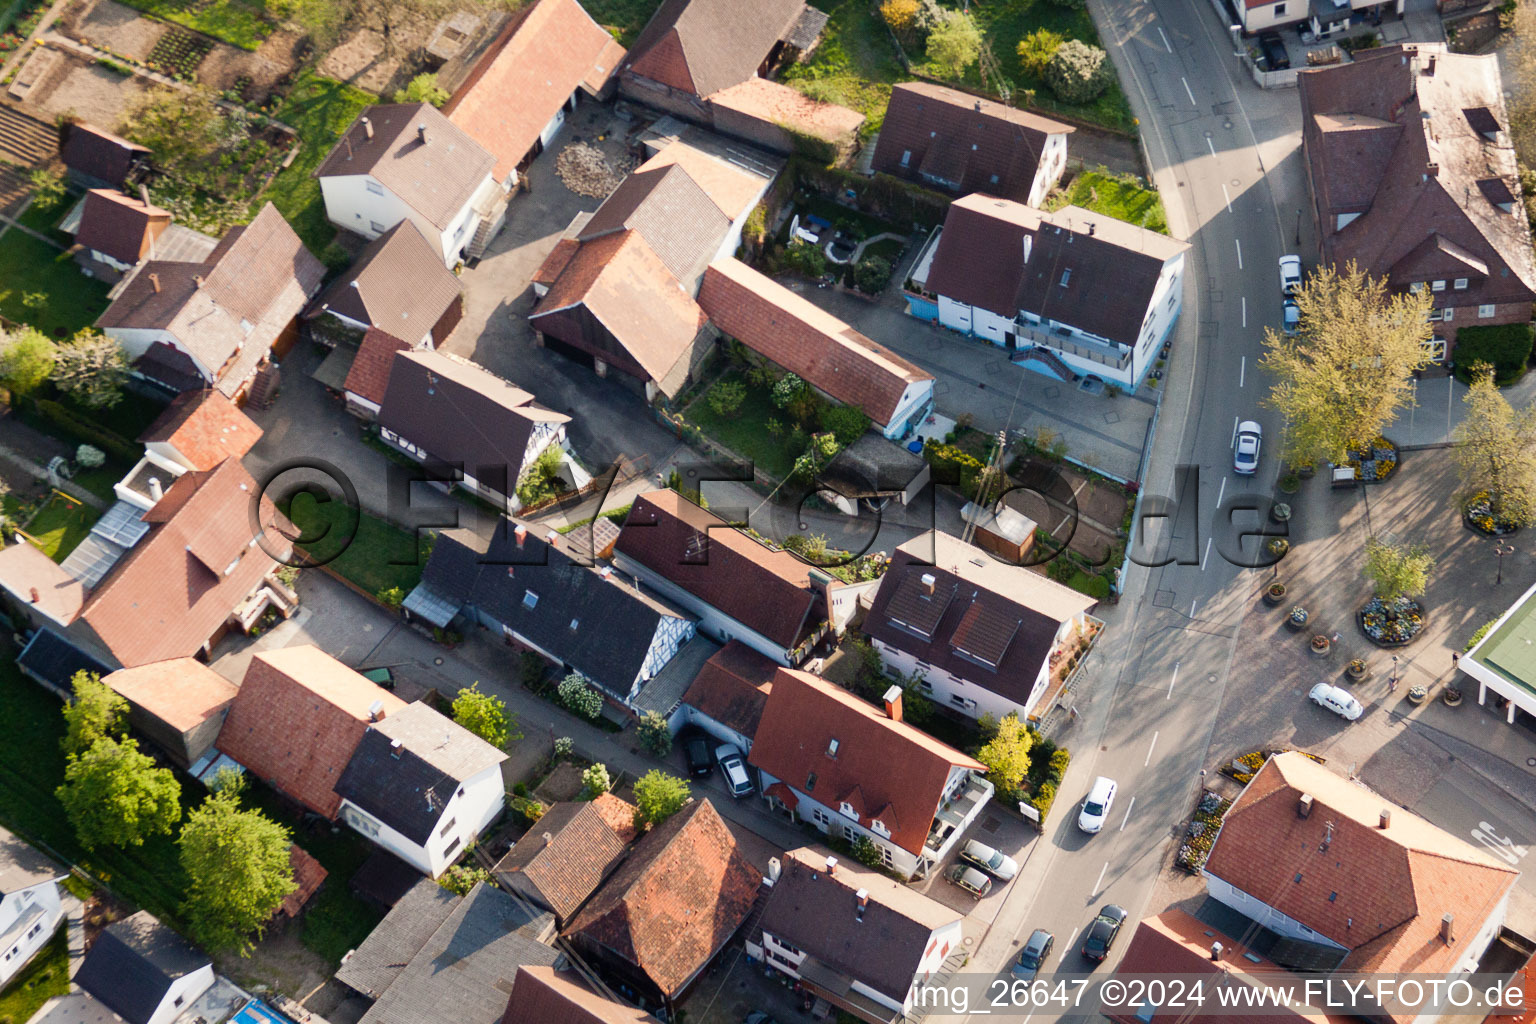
point(587, 172)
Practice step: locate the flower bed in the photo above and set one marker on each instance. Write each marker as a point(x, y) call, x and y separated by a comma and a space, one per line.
point(178, 54)
point(1200, 836)
point(1392, 625)
point(1478, 515)
point(1375, 463)
point(1244, 768)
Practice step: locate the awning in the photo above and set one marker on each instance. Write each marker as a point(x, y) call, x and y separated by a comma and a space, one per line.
point(783, 794)
point(430, 606)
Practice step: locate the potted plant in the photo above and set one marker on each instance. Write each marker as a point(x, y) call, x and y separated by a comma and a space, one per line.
point(1320, 645)
point(1417, 695)
point(1356, 669)
point(1451, 696)
point(1289, 484)
point(1305, 471)
point(1298, 618)
point(1274, 593)
point(1278, 546)
point(1280, 512)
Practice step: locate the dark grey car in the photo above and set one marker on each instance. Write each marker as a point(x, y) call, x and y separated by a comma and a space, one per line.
point(1033, 956)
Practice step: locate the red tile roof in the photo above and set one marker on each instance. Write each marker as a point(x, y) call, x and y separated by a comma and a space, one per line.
point(369, 376)
point(1380, 893)
point(779, 104)
point(178, 585)
point(183, 692)
point(733, 687)
point(205, 427)
point(120, 226)
point(547, 51)
point(543, 995)
point(889, 771)
point(806, 340)
point(676, 901)
point(564, 857)
point(23, 568)
point(308, 874)
point(298, 717)
point(619, 814)
point(767, 591)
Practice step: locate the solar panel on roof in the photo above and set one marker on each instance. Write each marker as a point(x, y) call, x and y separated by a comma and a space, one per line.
point(122, 524)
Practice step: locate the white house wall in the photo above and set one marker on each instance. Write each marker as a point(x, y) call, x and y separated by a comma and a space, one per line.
point(918, 394)
point(44, 897)
point(833, 822)
point(941, 942)
point(1162, 313)
point(689, 715)
point(1053, 159)
point(474, 806)
point(1252, 907)
point(945, 686)
point(182, 994)
point(671, 633)
point(350, 205)
point(713, 623)
point(137, 340)
point(1286, 12)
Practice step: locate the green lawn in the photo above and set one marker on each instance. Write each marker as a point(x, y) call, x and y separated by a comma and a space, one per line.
point(41, 286)
point(747, 433)
point(1116, 196)
point(42, 979)
point(855, 63)
point(45, 219)
point(241, 23)
point(624, 18)
point(99, 481)
point(372, 553)
point(319, 109)
point(61, 525)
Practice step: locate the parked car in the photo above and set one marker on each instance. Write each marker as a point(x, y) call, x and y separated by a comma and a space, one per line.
point(696, 753)
point(759, 1017)
point(1245, 450)
point(1101, 934)
point(1290, 274)
point(1290, 316)
point(1338, 700)
point(1274, 51)
point(993, 862)
point(969, 879)
point(1033, 956)
point(1097, 804)
point(734, 767)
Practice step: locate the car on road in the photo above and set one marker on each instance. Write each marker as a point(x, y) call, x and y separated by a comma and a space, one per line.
point(759, 1017)
point(1290, 316)
point(1101, 934)
point(993, 862)
point(1096, 805)
point(1274, 51)
point(969, 879)
point(696, 754)
point(734, 767)
point(1290, 274)
point(1336, 699)
point(1245, 448)
point(1033, 956)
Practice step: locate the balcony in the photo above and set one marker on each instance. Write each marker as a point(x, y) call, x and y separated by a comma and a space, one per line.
point(955, 815)
point(1062, 340)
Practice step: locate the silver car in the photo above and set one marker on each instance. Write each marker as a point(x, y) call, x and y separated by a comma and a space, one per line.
point(734, 767)
point(1245, 449)
point(993, 862)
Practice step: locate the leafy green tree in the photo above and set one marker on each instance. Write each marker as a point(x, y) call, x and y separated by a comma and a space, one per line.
point(237, 864)
point(954, 44)
point(866, 852)
point(1349, 367)
point(423, 89)
point(183, 127)
point(48, 187)
point(1006, 755)
point(26, 360)
point(658, 796)
point(1077, 72)
point(92, 369)
point(461, 878)
point(1036, 50)
point(1397, 571)
point(115, 796)
point(653, 734)
point(95, 713)
point(846, 422)
point(486, 716)
point(806, 257)
point(579, 698)
point(726, 396)
point(595, 781)
point(1496, 450)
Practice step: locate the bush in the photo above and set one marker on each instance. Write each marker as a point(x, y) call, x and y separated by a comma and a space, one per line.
point(1060, 569)
point(1506, 347)
point(954, 44)
point(391, 597)
point(1077, 72)
point(423, 89)
point(579, 698)
point(90, 456)
point(900, 15)
point(1036, 50)
point(527, 808)
point(1058, 764)
point(595, 781)
point(82, 430)
point(872, 274)
point(726, 396)
point(1477, 637)
point(866, 852)
point(563, 747)
point(542, 481)
point(847, 423)
point(1042, 799)
point(805, 258)
point(653, 734)
point(788, 390)
point(461, 878)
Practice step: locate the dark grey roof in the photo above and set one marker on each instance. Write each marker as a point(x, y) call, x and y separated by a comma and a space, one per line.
point(665, 690)
point(375, 965)
point(613, 624)
point(55, 659)
point(464, 972)
point(409, 791)
point(22, 866)
point(133, 964)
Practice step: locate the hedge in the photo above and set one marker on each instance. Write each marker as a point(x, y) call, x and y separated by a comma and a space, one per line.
point(113, 444)
point(1507, 347)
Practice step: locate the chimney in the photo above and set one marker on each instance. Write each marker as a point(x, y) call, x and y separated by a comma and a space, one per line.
point(36, 597)
point(197, 279)
point(1304, 805)
point(863, 897)
point(1429, 68)
point(144, 193)
point(367, 128)
point(1091, 227)
point(1447, 936)
point(832, 869)
point(521, 533)
point(552, 538)
point(978, 106)
point(421, 133)
point(395, 746)
point(1432, 170)
point(156, 492)
point(154, 282)
point(929, 582)
point(893, 703)
point(548, 838)
point(775, 868)
point(1386, 818)
point(375, 711)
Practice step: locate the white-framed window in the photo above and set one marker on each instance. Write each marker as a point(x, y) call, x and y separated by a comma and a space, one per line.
point(375, 188)
point(1485, 311)
point(821, 817)
point(1416, 287)
point(1450, 313)
point(1435, 347)
point(378, 228)
point(850, 833)
point(1459, 284)
point(961, 702)
point(878, 828)
point(1437, 286)
point(906, 157)
point(886, 856)
point(847, 810)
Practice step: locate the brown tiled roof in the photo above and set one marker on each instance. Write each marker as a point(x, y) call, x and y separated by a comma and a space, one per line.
point(205, 427)
point(807, 340)
point(676, 900)
point(1379, 892)
point(120, 226)
point(298, 717)
point(309, 874)
point(178, 585)
point(368, 376)
point(1403, 145)
point(986, 139)
point(765, 590)
point(1111, 267)
point(555, 263)
point(543, 995)
point(547, 51)
point(183, 692)
point(565, 856)
point(100, 154)
point(887, 770)
point(733, 687)
point(23, 568)
point(777, 104)
point(733, 180)
point(435, 179)
point(618, 814)
point(397, 283)
point(703, 46)
point(672, 212)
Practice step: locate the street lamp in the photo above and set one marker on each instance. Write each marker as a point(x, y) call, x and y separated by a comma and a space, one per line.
point(1499, 551)
point(1298, 225)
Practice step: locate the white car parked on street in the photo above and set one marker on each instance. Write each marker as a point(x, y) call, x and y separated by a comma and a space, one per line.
point(1096, 807)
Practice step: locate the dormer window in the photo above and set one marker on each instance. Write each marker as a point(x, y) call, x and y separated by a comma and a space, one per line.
point(878, 828)
point(530, 599)
point(847, 809)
